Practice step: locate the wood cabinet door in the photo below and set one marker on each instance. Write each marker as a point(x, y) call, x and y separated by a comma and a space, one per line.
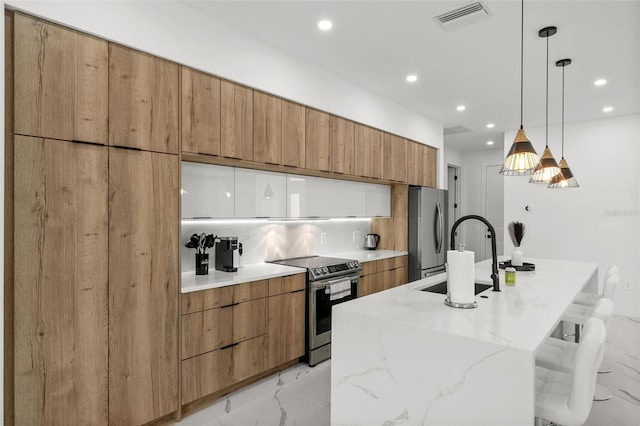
point(206, 331)
point(236, 120)
point(207, 373)
point(368, 284)
point(249, 358)
point(342, 145)
point(400, 276)
point(143, 285)
point(249, 319)
point(394, 164)
point(317, 146)
point(293, 134)
point(368, 151)
point(430, 167)
point(61, 274)
point(61, 82)
point(143, 101)
point(415, 163)
point(267, 128)
point(286, 327)
point(200, 105)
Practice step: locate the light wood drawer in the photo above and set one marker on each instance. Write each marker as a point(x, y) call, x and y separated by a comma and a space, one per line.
point(286, 284)
point(206, 331)
point(207, 373)
point(368, 268)
point(249, 319)
point(250, 291)
point(207, 299)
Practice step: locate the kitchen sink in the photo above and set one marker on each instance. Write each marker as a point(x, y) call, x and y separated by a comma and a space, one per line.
point(442, 288)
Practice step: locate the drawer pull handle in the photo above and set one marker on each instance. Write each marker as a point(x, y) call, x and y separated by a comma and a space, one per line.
point(228, 346)
point(228, 306)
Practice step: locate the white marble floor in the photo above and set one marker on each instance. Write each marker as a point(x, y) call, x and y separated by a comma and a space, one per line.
point(301, 395)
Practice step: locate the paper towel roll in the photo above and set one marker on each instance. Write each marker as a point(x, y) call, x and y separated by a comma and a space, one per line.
point(461, 276)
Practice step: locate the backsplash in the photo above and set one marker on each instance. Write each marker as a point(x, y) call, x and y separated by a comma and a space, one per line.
point(264, 240)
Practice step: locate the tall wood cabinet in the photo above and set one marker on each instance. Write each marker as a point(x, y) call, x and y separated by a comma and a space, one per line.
point(60, 282)
point(60, 82)
point(143, 101)
point(143, 285)
point(200, 105)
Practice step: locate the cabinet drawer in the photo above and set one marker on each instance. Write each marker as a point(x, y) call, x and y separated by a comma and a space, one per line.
point(368, 268)
point(207, 299)
point(401, 261)
point(286, 284)
point(205, 374)
point(386, 264)
point(249, 319)
point(249, 358)
point(250, 291)
point(206, 331)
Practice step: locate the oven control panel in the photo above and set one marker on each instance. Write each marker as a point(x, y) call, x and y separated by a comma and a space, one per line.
point(333, 270)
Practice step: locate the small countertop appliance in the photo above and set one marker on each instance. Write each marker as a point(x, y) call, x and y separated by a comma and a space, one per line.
point(226, 257)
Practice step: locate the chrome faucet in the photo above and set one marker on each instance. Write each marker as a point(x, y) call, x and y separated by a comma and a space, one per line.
point(494, 256)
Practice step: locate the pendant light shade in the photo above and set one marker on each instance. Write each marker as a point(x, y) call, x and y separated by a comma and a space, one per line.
point(522, 158)
point(548, 168)
point(565, 179)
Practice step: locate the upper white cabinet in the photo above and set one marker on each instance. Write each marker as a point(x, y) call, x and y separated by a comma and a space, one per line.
point(378, 200)
point(350, 199)
point(260, 194)
point(207, 191)
point(309, 196)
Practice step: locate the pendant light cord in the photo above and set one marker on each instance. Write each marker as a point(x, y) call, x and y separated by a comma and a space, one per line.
point(521, 62)
point(563, 111)
point(546, 125)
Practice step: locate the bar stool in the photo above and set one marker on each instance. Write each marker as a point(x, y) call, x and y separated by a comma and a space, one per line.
point(611, 280)
point(566, 398)
point(559, 355)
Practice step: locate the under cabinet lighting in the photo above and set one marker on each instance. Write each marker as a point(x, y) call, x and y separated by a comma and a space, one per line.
point(253, 221)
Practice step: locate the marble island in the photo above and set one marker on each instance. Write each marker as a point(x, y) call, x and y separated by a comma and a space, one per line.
point(403, 356)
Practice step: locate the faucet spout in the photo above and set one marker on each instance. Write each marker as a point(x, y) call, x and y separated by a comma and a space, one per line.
point(494, 256)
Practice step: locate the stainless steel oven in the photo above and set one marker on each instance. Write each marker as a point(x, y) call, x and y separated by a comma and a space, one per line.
point(329, 281)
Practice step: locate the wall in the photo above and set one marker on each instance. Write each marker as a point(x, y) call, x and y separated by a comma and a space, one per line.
point(597, 222)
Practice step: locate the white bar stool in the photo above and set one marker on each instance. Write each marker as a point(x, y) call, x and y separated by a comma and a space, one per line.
point(566, 398)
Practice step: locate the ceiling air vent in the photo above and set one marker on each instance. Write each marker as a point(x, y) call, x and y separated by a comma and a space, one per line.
point(463, 15)
point(455, 130)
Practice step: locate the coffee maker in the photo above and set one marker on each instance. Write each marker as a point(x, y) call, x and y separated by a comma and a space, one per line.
point(226, 249)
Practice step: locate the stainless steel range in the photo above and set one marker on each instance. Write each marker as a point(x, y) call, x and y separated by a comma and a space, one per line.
point(329, 281)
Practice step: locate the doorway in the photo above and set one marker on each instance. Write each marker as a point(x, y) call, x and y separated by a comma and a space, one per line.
point(493, 189)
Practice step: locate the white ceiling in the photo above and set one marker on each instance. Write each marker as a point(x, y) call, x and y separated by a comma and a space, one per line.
point(375, 44)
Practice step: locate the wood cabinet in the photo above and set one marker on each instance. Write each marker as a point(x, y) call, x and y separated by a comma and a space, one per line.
point(286, 319)
point(200, 105)
point(317, 146)
point(421, 164)
point(368, 151)
point(143, 285)
point(267, 128)
point(293, 134)
point(394, 163)
point(60, 282)
point(342, 138)
point(61, 82)
point(143, 101)
point(379, 275)
point(236, 120)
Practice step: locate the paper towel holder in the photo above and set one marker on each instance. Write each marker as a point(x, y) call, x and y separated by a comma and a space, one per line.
point(460, 305)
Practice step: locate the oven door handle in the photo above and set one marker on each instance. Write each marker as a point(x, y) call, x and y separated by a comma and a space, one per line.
point(323, 284)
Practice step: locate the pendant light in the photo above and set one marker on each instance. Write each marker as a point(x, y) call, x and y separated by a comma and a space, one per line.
point(522, 158)
point(548, 167)
point(565, 179)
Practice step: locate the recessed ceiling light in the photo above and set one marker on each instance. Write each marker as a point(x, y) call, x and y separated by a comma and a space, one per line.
point(461, 107)
point(325, 25)
point(489, 142)
point(411, 78)
point(600, 82)
point(607, 109)
point(490, 126)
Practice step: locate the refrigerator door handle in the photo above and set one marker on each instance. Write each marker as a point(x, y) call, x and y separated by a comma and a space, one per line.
point(439, 233)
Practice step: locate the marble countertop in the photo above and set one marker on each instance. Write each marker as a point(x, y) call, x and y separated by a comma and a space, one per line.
point(261, 271)
point(520, 316)
point(369, 255)
point(254, 272)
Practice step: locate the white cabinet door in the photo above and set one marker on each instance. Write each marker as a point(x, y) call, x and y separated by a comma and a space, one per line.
point(309, 196)
point(350, 199)
point(260, 194)
point(378, 200)
point(207, 191)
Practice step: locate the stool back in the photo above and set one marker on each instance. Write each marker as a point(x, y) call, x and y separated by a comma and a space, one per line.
point(587, 361)
point(610, 285)
point(603, 310)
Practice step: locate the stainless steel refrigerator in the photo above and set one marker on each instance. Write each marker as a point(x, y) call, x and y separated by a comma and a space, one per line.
point(428, 239)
